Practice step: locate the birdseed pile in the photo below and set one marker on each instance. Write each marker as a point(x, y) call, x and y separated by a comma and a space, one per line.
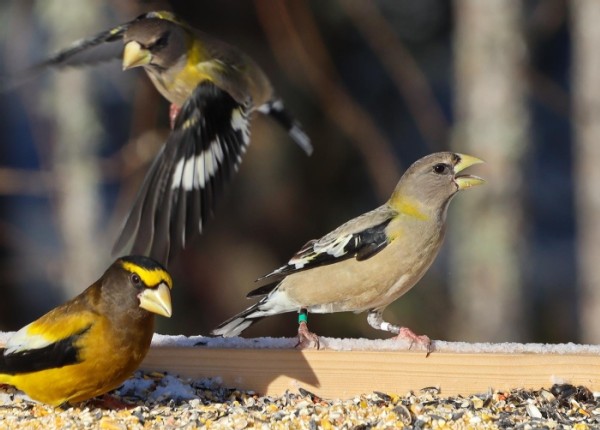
point(158, 401)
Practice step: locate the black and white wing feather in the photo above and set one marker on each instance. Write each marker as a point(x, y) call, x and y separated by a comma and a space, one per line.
point(206, 146)
point(96, 49)
point(360, 238)
point(61, 353)
point(276, 110)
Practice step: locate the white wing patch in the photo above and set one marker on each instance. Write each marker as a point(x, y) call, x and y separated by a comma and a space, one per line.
point(334, 248)
point(196, 171)
point(22, 341)
point(187, 178)
point(239, 122)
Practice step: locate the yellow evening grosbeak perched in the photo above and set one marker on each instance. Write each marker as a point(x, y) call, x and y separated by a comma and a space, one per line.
point(370, 261)
point(91, 344)
point(214, 88)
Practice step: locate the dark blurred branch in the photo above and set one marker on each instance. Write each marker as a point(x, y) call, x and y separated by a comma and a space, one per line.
point(548, 92)
point(306, 60)
point(402, 68)
point(546, 20)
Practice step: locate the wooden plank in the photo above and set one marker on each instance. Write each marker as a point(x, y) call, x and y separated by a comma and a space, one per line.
point(344, 374)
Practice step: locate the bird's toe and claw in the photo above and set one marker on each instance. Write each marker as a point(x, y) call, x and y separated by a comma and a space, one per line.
point(375, 320)
point(306, 338)
point(108, 401)
point(420, 340)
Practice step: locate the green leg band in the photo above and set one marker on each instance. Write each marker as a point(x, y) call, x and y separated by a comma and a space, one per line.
point(303, 316)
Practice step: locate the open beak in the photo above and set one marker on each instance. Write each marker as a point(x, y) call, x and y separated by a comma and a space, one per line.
point(157, 300)
point(467, 181)
point(134, 55)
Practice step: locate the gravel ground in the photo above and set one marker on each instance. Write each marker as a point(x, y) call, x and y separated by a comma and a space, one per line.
point(158, 401)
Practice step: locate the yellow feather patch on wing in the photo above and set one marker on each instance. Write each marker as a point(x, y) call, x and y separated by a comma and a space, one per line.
point(55, 326)
point(150, 277)
point(101, 366)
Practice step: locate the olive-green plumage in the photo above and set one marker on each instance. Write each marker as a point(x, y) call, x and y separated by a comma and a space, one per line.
point(91, 344)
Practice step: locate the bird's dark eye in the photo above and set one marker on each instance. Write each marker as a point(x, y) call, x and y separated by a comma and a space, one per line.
point(160, 43)
point(135, 279)
point(441, 169)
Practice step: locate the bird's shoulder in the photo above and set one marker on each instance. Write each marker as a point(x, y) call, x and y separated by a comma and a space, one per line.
point(228, 67)
point(70, 319)
point(216, 49)
point(51, 342)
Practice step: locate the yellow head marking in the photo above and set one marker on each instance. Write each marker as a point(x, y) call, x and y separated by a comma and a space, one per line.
point(150, 276)
point(163, 14)
point(167, 16)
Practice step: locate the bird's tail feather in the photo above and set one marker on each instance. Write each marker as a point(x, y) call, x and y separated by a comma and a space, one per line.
point(240, 322)
point(276, 110)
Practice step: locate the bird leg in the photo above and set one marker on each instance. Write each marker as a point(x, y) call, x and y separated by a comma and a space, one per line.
point(375, 320)
point(306, 338)
point(173, 112)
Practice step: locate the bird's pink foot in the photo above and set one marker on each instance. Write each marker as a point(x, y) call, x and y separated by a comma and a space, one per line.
point(407, 334)
point(306, 338)
point(107, 401)
point(173, 112)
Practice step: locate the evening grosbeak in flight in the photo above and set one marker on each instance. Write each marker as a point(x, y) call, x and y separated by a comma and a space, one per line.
point(370, 261)
point(214, 88)
point(94, 342)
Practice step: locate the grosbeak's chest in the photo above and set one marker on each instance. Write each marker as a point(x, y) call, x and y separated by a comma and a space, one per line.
point(171, 88)
point(178, 83)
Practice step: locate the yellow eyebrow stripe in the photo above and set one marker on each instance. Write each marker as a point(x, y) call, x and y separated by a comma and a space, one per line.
point(150, 277)
point(163, 14)
point(167, 16)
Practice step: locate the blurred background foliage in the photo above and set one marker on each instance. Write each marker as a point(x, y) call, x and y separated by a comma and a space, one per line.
point(377, 84)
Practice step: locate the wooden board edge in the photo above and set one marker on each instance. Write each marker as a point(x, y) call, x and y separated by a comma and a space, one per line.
point(345, 374)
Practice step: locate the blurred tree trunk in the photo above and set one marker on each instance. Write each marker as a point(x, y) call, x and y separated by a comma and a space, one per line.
point(70, 104)
point(586, 84)
point(487, 232)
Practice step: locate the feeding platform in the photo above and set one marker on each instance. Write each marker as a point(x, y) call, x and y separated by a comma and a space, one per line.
point(344, 368)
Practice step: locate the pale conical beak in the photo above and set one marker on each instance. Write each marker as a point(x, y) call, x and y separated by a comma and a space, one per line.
point(467, 181)
point(134, 55)
point(157, 300)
